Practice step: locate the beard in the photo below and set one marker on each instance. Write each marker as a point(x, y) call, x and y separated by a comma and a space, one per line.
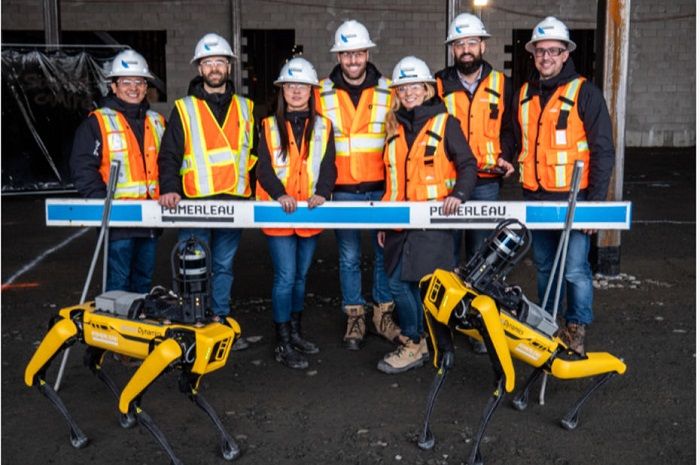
point(470, 67)
point(215, 79)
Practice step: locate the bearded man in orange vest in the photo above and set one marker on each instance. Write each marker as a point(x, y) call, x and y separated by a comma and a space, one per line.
point(357, 98)
point(207, 154)
point(481, 98)
point(562, 118)
point(126, 130)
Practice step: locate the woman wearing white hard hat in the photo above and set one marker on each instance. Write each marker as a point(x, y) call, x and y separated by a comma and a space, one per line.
point(427, 158)
point(296, 163)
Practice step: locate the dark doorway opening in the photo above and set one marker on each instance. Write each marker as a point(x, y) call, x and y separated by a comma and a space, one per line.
point(522, 63)
point(265, 51)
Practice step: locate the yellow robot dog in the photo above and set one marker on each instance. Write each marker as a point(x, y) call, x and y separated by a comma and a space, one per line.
point(164, 329)
point(476, 301)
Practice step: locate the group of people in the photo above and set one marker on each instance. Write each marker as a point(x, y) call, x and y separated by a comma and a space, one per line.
point(355, 136)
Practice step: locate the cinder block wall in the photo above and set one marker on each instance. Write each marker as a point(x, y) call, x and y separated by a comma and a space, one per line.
point(661, 81)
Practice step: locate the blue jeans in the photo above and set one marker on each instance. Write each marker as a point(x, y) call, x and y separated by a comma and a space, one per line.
point(473, 238)
point(350, 255)
point(409, 304)
point(291, 259)
point(223, 244)
point(578, 280)
point(130, 264)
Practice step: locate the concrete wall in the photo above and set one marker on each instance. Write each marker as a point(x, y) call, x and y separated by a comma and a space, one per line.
point(661, 82)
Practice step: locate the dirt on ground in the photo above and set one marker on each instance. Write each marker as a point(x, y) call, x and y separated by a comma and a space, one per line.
point(342, 410)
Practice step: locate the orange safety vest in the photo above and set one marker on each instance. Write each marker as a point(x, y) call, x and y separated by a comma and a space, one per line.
point(359, 131)
point(217, 158)
point(480, 118)
point(424, 173)
point(297, 169)
point(138, 172)
point(552, 139)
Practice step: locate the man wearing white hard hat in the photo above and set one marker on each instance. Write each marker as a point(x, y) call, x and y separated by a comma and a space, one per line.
point(356, 98)
point(562, 118)
point(218, 166)
point(126, 130)
point(296, 163)
point(427, 158)
point(481, 98)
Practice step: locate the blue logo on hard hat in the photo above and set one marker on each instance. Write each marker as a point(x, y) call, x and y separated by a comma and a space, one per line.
point(289, 71)
point(540, 30)
point(125, 64)
point(206, 47)
point(343, 38)
point(458, 29)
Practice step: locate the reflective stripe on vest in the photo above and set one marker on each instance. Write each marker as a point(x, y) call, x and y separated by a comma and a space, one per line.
point(559, 139)
point(224, 147)
point(435, 187)
point(316, 151)
point(480, 118)
point(361, 131)
point(135, 165)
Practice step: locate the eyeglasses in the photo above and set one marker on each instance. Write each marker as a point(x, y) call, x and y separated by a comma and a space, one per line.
point(354, 54)
point(405, 88)
point(296, 86)
point(128, 82)
point(214, 63)
point(552, 52)
point(466, 43)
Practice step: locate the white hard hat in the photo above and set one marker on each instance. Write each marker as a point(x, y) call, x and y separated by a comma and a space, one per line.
point(129, 63)
point(212, 45)
point(409, 70)
point(466, 25)
point(297, 70)
point(550, 29)
point(351, 35)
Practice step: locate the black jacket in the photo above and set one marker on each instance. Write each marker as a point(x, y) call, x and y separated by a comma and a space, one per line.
point(596, 122)
point(355, 92)
point(172, 147)
point(452, 83)
point(421, 251)
point(266, 174)
point(86, 157)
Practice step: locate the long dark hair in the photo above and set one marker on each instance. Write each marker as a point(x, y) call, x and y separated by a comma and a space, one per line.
point(280, 110)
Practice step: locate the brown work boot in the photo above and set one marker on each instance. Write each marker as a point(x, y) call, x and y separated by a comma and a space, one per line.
point(574, 336)
point(424, 352)
point(384, 322)
point(406, 356)
point(356, 327)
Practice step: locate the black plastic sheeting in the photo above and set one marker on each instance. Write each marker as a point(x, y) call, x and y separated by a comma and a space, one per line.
point(46, 95)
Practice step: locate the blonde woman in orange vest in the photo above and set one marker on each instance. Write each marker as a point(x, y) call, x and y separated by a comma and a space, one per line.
point(123, 129)
point(296, 163)
point(563, 118)
point(426, 158)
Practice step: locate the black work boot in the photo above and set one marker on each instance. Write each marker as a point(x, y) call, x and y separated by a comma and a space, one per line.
point(284, 352)
point(298, 342)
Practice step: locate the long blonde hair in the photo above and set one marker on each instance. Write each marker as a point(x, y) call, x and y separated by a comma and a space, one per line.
point(392, 124)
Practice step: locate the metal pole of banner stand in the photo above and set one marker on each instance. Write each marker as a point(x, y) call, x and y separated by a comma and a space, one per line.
point(560, 256)
point(104, 233)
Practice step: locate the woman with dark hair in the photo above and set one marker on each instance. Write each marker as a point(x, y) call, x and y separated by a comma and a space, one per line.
point(296, 162)
point(427, 158)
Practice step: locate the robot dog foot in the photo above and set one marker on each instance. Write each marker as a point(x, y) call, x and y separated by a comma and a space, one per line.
point(77, 437)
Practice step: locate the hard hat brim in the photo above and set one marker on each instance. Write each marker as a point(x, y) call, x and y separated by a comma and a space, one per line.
point(482, 36)
point(339, 48)
point(281, 82)
point(411, 81)
point(143, 75)
point(570, 45)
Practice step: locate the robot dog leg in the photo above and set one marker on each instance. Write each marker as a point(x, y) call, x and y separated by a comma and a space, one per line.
point(62, 334)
